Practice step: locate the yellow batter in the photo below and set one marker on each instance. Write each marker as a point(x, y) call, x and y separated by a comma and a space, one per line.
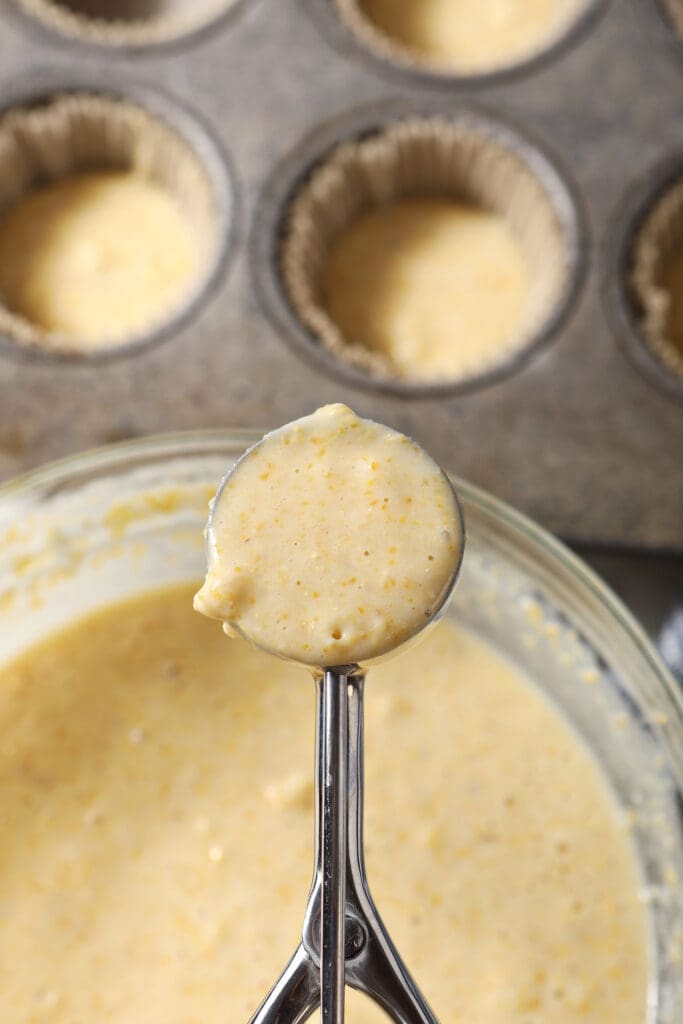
point(439, 288)
point(156, 843)
point(672, 285)
point(335, 540)
point(471, 35)
point(96, 257)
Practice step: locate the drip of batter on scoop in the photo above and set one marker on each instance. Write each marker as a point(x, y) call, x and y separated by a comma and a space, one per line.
point(335, 540)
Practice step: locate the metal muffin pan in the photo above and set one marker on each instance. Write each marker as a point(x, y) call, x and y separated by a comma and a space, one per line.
point(578, 438)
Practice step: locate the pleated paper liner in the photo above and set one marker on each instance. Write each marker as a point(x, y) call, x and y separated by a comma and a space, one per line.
point(126, 23)
point(396, 38)
point(421, 157)
point(673, 9)
point(78, 132)
point(658, 241)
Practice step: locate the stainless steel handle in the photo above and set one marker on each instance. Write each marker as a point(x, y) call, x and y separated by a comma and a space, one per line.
point(332, 822)
point(352, 947)
point(294, 996)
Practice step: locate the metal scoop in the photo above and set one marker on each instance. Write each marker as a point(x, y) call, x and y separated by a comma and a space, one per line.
point(344, 941)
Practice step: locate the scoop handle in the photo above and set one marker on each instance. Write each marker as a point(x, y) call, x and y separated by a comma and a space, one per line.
point(295, 995)
point(332, 842)
point(298, 991)
point(344, 939)
point(376, 968)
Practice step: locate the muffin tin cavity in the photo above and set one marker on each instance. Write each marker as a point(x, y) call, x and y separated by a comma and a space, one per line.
point(461, 200)
point(129, 24)
point(459, 39)
point(105, 197)
point(646, 285)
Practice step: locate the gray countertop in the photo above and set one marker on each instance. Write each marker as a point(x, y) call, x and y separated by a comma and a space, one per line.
point(650, 586)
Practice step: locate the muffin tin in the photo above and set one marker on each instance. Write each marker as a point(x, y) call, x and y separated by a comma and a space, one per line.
point(575, 435)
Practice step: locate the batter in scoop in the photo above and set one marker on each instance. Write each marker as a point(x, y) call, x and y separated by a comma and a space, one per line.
point(333, 541)
point(156, 843)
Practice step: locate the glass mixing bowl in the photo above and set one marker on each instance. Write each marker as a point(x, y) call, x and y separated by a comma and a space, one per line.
point(113, 523)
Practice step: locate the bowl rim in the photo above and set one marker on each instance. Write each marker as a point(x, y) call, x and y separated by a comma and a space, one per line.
point(52, 476)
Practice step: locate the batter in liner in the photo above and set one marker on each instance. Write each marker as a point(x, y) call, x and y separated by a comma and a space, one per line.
point(439, 288)
point(471, 35)
point(96, 257)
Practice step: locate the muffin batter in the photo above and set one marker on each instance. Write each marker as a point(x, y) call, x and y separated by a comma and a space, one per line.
point(334, 541)
point(156, 843)
point(470, 35)
point(438, 288)
point(96, 257)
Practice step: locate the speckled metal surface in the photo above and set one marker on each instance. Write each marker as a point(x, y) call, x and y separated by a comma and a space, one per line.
point(578, 439)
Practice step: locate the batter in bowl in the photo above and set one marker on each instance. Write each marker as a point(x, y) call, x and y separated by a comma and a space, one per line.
point(96, 258)
point(439, 288)
point(156, 844)
point(470, 35)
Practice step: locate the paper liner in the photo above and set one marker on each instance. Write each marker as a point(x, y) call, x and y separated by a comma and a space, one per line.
point(125, 23)
point(384, 46)
point(659, 237)
point(674, 11)
point(74, 133)
point(421, 156)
